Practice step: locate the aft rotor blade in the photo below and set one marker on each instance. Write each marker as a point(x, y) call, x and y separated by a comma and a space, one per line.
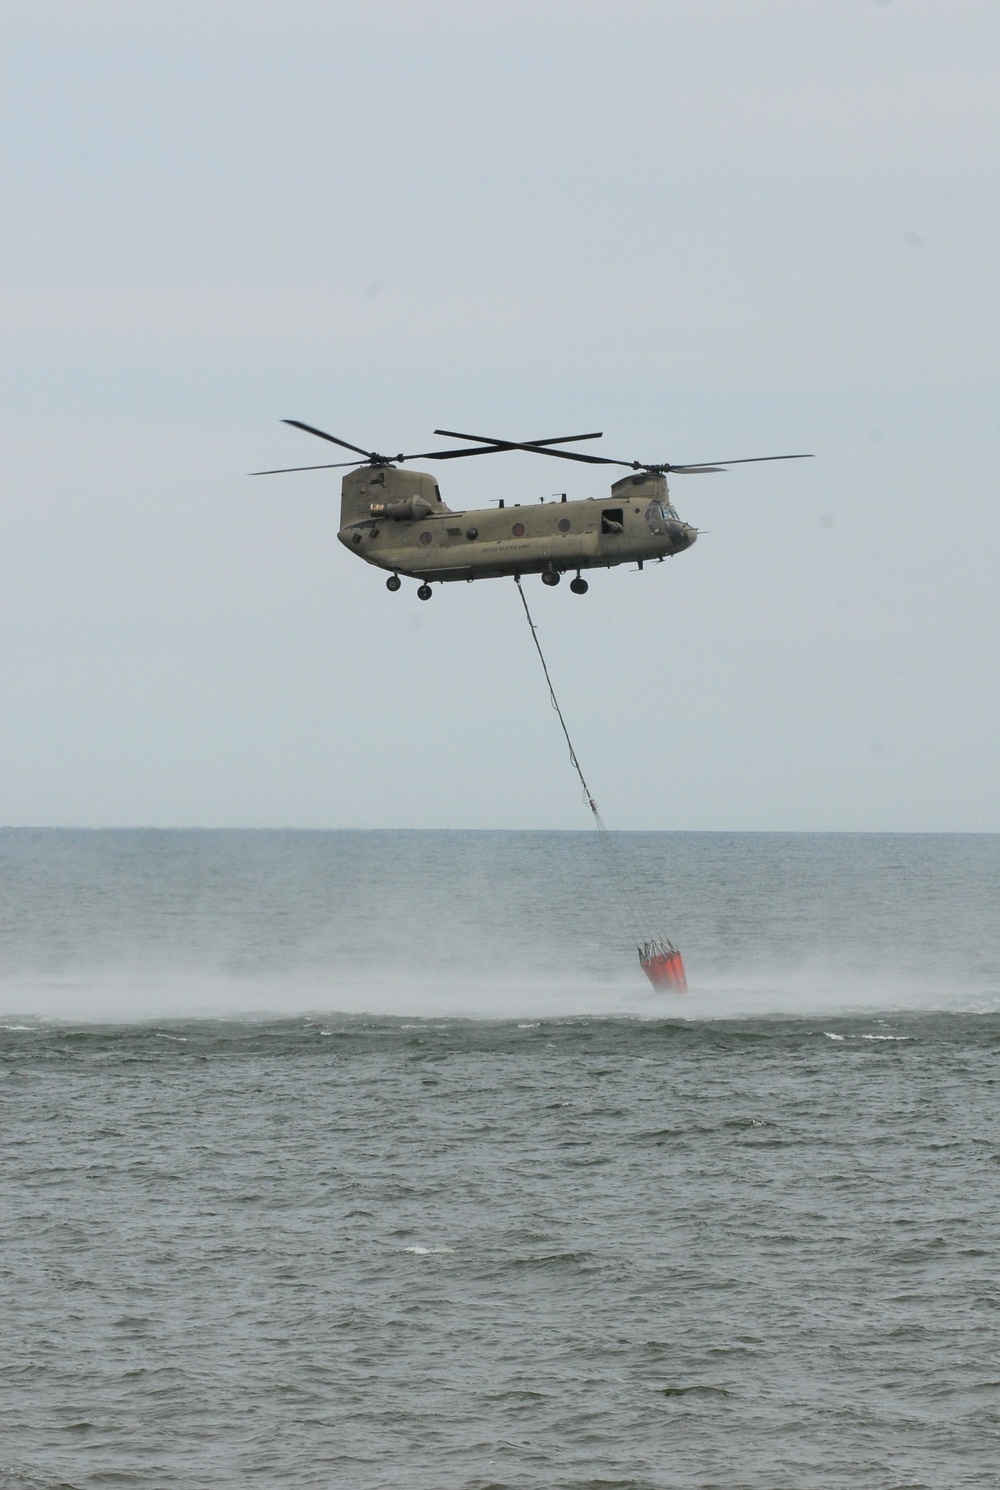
point(334, 440)
point(455, 454)
point(494, 443)
point(330, 466)
point(590, 460)
point(494, 450)
point(541, 447)
point(388, 459)
point(373, 455)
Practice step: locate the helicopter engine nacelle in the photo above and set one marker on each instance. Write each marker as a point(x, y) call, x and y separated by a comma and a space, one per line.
point(409, 509)
point(387, 492)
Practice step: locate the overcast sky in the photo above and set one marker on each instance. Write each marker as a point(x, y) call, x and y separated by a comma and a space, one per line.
point(711, 229)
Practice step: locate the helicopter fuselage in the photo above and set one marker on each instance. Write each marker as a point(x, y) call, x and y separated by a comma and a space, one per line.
point(397, 520)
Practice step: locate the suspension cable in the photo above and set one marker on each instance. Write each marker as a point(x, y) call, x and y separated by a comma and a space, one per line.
point(555, 702)
point(612, 858)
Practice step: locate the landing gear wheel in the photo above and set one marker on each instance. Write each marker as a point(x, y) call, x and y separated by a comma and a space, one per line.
point(579, 586)
point(424, 593)
point(393, 583)
point(551, 577)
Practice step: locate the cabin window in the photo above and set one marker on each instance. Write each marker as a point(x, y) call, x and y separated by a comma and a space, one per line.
point(564, 525)
point(425, 538)
point(613, 520)
point(518, 530)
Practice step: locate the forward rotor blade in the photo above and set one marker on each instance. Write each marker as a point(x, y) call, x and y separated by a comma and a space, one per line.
point(746, 460)
point(284, 470)
point(311, 430)
point(541, 447)
point(508, 445)
point(498, 444)
point(590, 460)
point(701, 469)
point(486, 448)
point(491, 445)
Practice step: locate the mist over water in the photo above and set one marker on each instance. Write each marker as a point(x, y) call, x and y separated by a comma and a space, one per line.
point(372, 1160)
point(158, 924)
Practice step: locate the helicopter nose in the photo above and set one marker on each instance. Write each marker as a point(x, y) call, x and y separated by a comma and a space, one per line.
point(682, 536)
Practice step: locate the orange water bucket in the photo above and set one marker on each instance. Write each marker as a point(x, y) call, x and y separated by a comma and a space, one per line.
point(663, 966)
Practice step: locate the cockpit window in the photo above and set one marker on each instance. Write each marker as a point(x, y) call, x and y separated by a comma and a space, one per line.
point(660, 517)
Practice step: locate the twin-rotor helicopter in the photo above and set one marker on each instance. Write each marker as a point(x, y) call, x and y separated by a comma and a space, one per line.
point(398, 520)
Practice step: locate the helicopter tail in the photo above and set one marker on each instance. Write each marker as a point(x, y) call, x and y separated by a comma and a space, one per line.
point(388, 492)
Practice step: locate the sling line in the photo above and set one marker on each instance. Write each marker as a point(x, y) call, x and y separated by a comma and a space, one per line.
point(615, 867)
point(658, 957)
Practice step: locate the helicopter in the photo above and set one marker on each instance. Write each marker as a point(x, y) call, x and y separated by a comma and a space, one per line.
point(398, 520)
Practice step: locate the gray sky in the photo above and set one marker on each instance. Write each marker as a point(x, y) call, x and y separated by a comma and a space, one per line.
point(712, 229)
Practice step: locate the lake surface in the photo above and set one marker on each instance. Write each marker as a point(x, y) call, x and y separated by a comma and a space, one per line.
point(370, 1159)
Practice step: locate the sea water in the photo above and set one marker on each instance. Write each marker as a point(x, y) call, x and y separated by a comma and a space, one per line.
point(371, 1159)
